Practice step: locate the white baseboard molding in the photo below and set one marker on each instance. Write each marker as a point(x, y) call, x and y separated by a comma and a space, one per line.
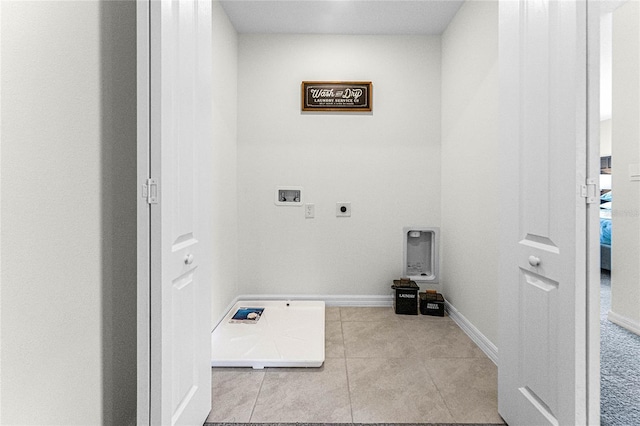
point(624, 322)
point(329, 300)
point(478, 338)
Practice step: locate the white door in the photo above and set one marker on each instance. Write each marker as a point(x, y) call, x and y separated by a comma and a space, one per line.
point(179, 115)
point(542, 369)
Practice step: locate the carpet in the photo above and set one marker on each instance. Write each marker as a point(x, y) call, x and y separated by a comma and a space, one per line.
point(619, 367)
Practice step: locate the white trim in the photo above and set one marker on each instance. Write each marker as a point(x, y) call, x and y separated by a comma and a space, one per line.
point(329, 300)
point(624, 322)
point(0, 249)
point(143, 218)
point(593, 215)
point(478, 338)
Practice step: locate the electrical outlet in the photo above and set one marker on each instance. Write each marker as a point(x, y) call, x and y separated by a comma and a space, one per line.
point(343, 209)
point(309, 210)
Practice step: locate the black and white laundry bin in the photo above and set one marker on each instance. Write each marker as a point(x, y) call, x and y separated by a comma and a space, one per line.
point(405, 301)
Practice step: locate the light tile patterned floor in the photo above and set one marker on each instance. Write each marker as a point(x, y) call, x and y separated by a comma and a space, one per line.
point(379, 368)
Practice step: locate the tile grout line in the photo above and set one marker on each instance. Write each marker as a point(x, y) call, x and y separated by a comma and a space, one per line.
point(422, 363)
point(346, 370)
point(255, 402)
point(424, 367)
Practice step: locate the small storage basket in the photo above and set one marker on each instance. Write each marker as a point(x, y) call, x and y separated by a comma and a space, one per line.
point(432, 304)
point(405, 301)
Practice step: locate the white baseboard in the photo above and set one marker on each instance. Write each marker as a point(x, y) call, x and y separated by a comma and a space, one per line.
point(479, 339)
point(329, 300)
point(624, 322)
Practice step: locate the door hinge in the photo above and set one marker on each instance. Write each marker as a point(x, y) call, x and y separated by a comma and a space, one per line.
point(588, 191)
point(150, 191)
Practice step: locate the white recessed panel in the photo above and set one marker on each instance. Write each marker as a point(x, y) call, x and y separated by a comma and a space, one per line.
point(288, 334)
point(288, 196)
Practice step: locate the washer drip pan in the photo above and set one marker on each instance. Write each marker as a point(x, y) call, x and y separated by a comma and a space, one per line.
point(288, 334)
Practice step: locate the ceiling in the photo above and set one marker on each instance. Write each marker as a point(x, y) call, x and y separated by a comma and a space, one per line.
point(373, 17)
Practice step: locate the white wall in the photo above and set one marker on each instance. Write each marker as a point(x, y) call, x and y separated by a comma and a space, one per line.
point(224, 164)
point(625, 247)
point(470, 215)
point(68, 212)
point(606, 34)
point(605, 138)
point(387, 163)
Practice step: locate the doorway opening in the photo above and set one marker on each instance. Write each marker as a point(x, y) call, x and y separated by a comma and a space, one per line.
point(619, 218)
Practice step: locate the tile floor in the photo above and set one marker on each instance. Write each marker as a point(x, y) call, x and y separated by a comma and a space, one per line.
point(379, 368)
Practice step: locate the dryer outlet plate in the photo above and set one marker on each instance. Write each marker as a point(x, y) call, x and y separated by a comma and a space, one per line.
point(343, 209)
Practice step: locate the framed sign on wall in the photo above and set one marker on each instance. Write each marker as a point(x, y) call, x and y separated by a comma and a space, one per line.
point(348, 96)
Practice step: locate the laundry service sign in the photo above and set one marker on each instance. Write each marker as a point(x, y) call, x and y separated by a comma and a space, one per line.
point(348, 96)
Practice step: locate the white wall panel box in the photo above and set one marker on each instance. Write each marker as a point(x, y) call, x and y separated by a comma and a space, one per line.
point(421, 253)
point(289, 196)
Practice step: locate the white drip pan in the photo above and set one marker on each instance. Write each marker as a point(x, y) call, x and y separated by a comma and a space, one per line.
point(288, 334)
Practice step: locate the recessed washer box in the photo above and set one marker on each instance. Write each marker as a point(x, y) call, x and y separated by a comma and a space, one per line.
point(421, 253)
point(288, 196)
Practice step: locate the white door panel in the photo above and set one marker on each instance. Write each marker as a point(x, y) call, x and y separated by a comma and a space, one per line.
point(179, 120)
point(543, 98)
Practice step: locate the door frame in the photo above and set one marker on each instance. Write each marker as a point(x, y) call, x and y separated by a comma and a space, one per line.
point(154, 34)
point(144, 302)
point(593, 214)
point(144, 351)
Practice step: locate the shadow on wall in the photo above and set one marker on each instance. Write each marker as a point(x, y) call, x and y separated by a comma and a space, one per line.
point(118, 209)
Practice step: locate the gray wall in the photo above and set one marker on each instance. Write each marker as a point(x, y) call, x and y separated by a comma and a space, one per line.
point(470, 215)
point(68, 191)
point(224, 164)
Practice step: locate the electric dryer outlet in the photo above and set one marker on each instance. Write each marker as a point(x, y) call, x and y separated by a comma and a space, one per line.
point(343, 209)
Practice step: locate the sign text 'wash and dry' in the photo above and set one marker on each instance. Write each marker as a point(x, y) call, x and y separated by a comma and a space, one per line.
point(336, 96)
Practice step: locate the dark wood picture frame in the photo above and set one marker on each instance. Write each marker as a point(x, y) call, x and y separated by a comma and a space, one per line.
point(342, 96)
